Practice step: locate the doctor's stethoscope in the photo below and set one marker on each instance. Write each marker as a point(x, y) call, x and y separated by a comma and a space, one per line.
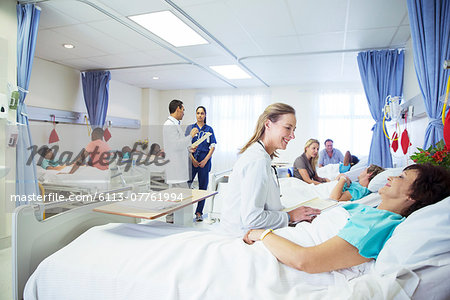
point(273, 167)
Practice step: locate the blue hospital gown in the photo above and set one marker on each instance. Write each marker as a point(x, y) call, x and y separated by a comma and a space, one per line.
point(356, 190)
point(369, 228)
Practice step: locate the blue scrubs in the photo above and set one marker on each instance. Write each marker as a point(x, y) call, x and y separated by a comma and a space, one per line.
point(200, 153)
point(369, 228)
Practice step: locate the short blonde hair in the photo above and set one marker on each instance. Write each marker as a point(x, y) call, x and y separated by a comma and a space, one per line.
point(272, 112)
point(315, 159)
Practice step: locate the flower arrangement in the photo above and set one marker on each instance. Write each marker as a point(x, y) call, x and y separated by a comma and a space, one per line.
point(436, 155)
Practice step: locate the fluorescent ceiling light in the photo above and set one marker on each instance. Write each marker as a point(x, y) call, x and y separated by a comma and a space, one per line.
point(231, 71)
point(68, 46)
point(170, 28)
point(155, 77)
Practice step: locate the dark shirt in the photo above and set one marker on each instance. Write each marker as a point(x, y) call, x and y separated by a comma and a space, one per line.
point(303, 163)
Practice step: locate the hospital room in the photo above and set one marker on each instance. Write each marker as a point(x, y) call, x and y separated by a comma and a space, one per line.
point(171, 149)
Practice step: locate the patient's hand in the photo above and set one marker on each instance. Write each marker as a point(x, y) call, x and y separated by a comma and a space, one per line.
point(303, 213)
point(252, 236)
point(347, 179)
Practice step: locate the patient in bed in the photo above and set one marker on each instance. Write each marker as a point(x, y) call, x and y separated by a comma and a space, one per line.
point(346, 190)
point(367, 229)
point(49, 162)
point(97, 150)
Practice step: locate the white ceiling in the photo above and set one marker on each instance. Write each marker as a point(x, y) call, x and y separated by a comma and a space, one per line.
point(280, 42)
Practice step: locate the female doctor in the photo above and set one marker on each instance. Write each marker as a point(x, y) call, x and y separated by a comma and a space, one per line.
point(201, 158)
point(252, 197)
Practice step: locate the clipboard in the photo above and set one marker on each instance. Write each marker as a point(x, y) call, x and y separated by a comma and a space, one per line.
point(200, 140)
point(318, 203)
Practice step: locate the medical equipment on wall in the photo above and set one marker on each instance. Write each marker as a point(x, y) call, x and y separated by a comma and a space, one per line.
point(3, 107)
point(13, 95)
point(53, 138)
point(405, 142)
point(106, 133)
point(14, 100)
point(392, 108)
point(12, 134)
point(392, 111)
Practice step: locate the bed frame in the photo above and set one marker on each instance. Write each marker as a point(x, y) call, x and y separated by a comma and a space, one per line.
point(214, 180)
point(33, 240)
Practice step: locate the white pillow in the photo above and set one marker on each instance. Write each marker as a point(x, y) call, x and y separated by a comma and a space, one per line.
point(421, 244)
point(423, 239)
point(381, 179)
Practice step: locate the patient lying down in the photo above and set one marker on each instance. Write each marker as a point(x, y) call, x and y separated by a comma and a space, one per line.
point(367, 230)
point(346, 190)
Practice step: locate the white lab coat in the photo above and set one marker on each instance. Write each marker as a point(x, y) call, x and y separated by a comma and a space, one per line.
point(251, 198)
point(176, 147)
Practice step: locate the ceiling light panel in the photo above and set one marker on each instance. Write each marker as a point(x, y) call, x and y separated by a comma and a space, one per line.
point(231, 71)
point(169, 28)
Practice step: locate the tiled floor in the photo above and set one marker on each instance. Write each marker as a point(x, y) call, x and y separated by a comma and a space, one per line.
point(5, 274)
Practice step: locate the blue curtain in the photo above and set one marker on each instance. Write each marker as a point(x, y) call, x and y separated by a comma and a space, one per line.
point(27, 30)
point(381, 75)
point(95, 91)
point(430, 32)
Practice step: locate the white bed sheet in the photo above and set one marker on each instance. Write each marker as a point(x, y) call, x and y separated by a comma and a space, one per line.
point(330, 171)
point(295, 191)
point(160, 261)
point(85, 177)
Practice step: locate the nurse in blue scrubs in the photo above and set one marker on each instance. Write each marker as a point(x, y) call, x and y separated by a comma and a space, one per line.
point(201, 158)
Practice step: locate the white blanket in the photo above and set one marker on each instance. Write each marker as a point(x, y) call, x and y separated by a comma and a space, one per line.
point(85, 177)
point(160, 261)
point(332, 170)
point(295, 191)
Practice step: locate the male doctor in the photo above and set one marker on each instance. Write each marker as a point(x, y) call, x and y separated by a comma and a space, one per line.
point(177, 146)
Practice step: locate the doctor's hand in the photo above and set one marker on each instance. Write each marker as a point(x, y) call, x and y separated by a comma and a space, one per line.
point(192, 149)
point(252, 236)
point(193, 132)
point(303, 213)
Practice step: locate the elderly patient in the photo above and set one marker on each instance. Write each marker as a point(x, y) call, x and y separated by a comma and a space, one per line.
point(368, 228)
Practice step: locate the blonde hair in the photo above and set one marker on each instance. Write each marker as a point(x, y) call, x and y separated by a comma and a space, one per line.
point(313, 160)
point(272, 112)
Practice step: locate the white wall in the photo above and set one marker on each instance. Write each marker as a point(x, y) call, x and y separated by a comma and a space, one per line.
point(59, 87)
point(8, 67)
point(302, 98)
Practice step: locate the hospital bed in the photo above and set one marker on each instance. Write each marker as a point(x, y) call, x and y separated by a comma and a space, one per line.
point(332, 170)
point(162, 261)
point(86, 180)
point(151, 173)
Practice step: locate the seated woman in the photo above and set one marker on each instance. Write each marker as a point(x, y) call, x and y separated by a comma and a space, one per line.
point(48, 161)
point(346, 190)
point(305, 164)
point(367, 230)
